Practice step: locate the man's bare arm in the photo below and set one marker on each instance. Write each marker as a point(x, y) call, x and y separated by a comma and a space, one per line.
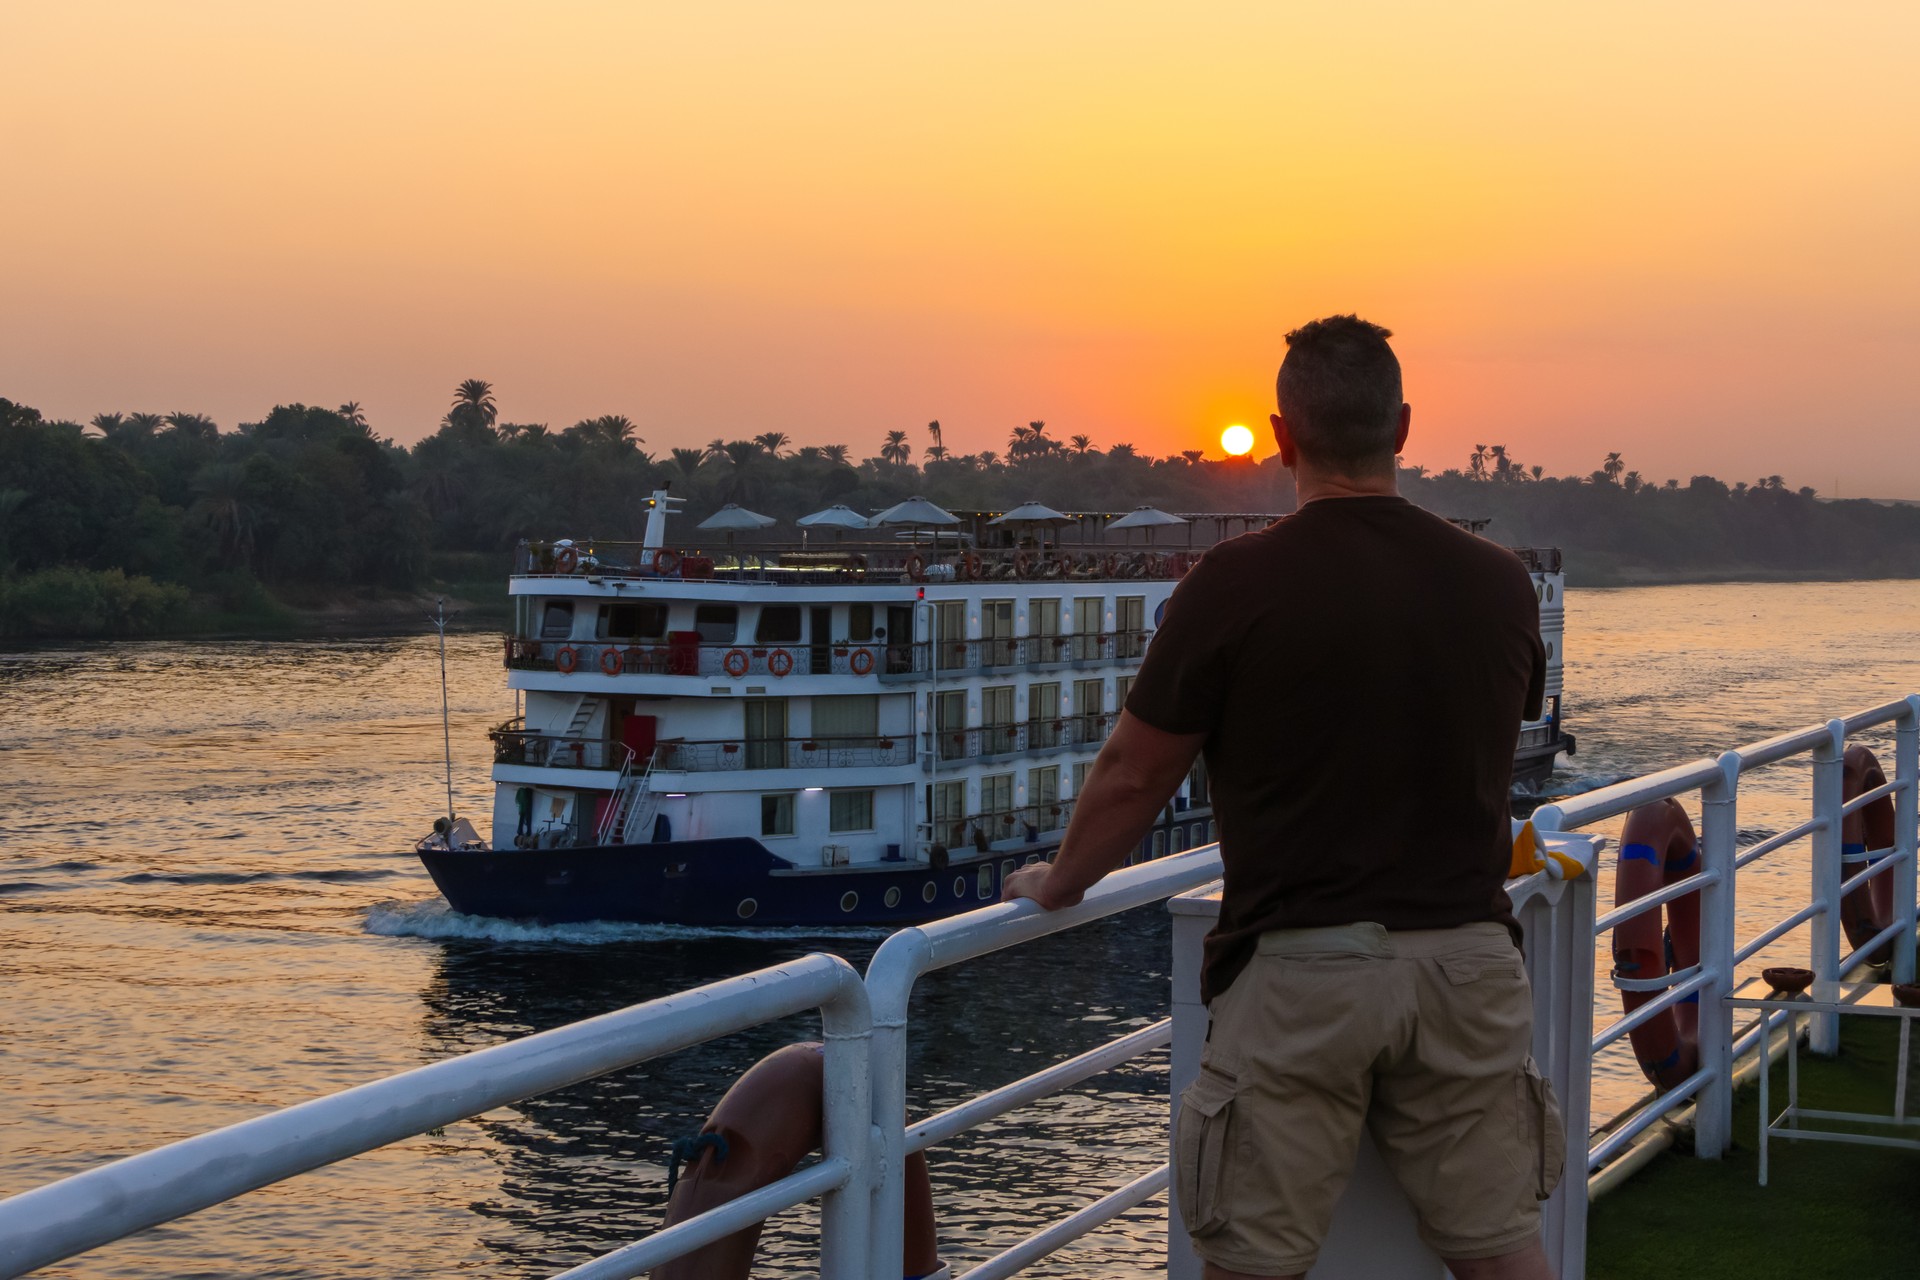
point(1137, 770)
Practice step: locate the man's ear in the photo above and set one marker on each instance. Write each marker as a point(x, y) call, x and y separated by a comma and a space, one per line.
point(1400, 436)
point(1283, 437)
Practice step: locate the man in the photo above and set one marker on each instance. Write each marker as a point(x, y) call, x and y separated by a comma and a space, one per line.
point(1356, 674)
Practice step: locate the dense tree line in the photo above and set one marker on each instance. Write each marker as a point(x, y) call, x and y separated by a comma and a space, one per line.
point(135, 522)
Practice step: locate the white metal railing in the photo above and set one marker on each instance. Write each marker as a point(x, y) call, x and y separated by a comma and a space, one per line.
point(104, 1204)
point(1717, 783)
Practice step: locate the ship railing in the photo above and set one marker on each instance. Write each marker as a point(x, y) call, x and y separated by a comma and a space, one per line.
point(1711, 788)
point(863, 561)
point(1019, 652)
point(115, 1200)
point(721, 755)
point(1020, 738)
point(558, 751)
point(992, 826)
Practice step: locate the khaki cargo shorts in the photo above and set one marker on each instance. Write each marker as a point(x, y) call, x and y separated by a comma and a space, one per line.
point(1422, 1036)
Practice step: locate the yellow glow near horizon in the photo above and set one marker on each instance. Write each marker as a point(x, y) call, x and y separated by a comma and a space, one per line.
point(1682, 232)
point(1237, 440)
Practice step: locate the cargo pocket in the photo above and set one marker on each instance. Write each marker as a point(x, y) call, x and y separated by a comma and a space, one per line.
point(1544, 1132)
point(1201, 1142)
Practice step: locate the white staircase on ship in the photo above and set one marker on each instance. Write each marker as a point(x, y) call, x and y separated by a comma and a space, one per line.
point(629, 818)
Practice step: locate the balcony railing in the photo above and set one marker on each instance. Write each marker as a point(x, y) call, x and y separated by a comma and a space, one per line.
point(555, 751)
point(724, 755)
point(860, 561)
point(1023, 738)
point(979, 830)
point(778, 661)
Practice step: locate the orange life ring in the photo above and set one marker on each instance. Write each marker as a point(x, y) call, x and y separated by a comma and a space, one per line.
point(1022, 565)
point(970, 566)
point(861, 662)
point(566, 560)
point(611, 663)
point(1111, 565)
point(1658, 848)
point(666, 562)
point(565, 659)
point(735, 662)
point(916, 569)
point(1866, 836)
point(780, 662)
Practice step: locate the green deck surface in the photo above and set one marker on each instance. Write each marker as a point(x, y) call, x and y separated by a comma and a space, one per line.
point(1850, 1212)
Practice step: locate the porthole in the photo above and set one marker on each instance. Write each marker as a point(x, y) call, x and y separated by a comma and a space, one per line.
point(893, 896)
point(959, 886)
point(928, 892)
point(746, 908)
point(849, 900)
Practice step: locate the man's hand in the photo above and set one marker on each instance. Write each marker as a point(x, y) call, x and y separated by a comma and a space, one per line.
point(1032, 883)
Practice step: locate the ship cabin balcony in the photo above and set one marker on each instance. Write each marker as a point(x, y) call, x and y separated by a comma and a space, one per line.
point(997, 829)
point(558, 759)
point(852, 562)
point(1026, 738)
point(883, 662)
point(738, 754)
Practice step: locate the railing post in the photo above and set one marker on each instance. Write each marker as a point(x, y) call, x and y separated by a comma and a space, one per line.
point(1906, 834)
point(891, 975)
point(1719, 832)
point(1823, 1033)
point(847, 1131)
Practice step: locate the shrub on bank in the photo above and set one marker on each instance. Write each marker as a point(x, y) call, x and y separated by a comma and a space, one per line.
point(67, 601)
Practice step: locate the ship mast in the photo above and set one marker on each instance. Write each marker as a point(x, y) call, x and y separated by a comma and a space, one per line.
point(439, 619)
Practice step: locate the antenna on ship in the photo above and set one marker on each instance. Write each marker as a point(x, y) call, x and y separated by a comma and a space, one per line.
point(439, 619)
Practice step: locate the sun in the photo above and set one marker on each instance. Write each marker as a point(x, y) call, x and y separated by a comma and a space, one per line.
point(1237, 440)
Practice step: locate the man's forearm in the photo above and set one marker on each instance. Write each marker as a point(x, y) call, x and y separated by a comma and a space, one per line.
point(1111, 816)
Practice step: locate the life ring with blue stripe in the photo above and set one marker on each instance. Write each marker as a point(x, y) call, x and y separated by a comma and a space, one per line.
point(1658, 848)
point(1866, 836)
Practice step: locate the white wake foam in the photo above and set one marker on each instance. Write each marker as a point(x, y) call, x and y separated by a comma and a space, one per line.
point(433, 918)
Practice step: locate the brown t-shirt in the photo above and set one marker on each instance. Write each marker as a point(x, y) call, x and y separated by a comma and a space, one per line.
point(1360, 669)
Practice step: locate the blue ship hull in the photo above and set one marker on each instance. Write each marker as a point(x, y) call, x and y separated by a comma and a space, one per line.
point(728, 882)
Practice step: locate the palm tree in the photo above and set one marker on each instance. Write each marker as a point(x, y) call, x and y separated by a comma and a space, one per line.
point(1082, 445)
point(1538, 471)
point(738, 484)
point(473, 410)
point(108, 425)
point(534, 433)
point(808, 453)
point(688, 461)
point(1613, 466)
point(1037, 436)
point(989, 459)
point(1019, 444)
point(223, 507)
point(716, 448)
point(192, 426)
point(896, 449)
point(142, 425)
point(352, 412)
point(1478, 461)
point(938, 449)
point(1417, 471)
point(1501, 466)
point(615, 430)
point(1631, 482)
point(772, 441)
point(834, 453)
point(1193, 456)
point(1123, 451)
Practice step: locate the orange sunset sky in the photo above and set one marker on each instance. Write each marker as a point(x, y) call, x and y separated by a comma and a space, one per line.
point(1686, 232)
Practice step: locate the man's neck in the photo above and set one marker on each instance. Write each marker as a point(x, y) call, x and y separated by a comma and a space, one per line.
point(1312, 486)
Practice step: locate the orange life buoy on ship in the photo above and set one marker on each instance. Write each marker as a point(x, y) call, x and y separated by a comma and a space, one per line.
point(611, 662)
point(916, 569)
point(768, 1122)
point(780, 662)
point(565, 659)
point(1022, 565)
point(1111, 566)
point(1658, 848)
point(666, 563)
point(735, 662)
point(861, 662)
point(970, 566)
point(566, 560)
point(1866, 836)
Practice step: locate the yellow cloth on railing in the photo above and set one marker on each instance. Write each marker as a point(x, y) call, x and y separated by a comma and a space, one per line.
point(1530, 855)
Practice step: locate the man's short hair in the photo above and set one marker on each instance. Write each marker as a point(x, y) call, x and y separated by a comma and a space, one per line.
point(1339, 390)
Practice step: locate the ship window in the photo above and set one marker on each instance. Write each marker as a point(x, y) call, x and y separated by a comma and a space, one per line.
point(779, 624)
point(556, 622)
point(859, 623)
point(893, 897)
point(716, 623)
point(633, 621)
point(850, 811)
point(776, 814)
point(1159, 843)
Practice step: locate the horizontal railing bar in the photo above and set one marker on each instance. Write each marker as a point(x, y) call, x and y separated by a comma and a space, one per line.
point(1608, 802)
point(1660, 983)
point(1781, 841)
point(1069, 1229)
point(1866, 798)
point(955, 1120)
point(1780, 747)
point(1871, 945)
point(103, 1204)
point(1779, 931)
point(1872, 716)
point(1885, 863)
point(716, 1223)
point(1649, 1010)
point(1667, 893)
point(1622, 1138)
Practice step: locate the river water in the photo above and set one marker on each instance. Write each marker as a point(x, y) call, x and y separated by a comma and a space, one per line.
point(209, 911)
